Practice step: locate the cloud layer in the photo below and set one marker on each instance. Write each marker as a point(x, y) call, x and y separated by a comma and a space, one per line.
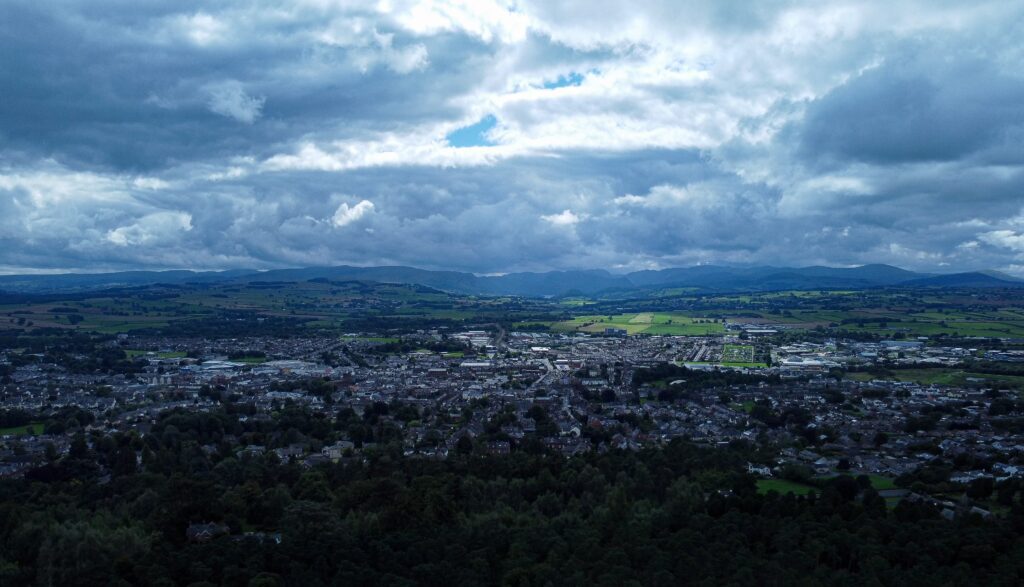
point(183, 134)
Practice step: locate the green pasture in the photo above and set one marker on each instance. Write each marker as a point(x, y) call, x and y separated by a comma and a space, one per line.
point(659, 323)
point(34, 429)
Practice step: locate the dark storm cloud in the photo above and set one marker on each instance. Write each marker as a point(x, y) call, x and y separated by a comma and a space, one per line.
point(926, 108)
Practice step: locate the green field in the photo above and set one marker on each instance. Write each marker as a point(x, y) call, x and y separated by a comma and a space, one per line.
point(746, 407)
point(783, 487)
point(655, 323)
point(33, 429)
point(879, 482)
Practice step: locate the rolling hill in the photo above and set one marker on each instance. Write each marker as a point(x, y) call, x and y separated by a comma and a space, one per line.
point(708, 278)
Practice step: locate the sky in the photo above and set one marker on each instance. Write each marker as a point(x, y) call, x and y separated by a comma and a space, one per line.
point(495, 136)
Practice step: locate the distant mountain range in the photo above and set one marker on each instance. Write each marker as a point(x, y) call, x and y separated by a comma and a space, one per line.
point(703, 278)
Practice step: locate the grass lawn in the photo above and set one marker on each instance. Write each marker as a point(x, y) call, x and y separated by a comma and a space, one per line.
point(879, 482)
point(33, 429)
point(782, 486)
point(747, 406)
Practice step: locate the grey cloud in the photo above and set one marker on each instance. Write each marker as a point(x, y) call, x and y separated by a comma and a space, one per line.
point(116, 85)
point(924, 108)
point(131, 140)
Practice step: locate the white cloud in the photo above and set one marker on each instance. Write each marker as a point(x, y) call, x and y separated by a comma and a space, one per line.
point(200, 28)
point(387, 151)
point(484, 19)
point(564, 218)
point(230, 99)
point(346, 215)
point(151, 229)
point(367, 47)
point(1004, 238)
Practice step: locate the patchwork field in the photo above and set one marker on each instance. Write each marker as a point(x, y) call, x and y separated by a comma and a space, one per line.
point(355, 306)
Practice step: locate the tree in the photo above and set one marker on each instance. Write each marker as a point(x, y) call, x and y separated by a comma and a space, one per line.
point(980, 488)
point(125, 461)
point(464, 445)
point(79, 448)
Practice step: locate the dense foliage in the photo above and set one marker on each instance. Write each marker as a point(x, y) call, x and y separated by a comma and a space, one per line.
point(680, 514)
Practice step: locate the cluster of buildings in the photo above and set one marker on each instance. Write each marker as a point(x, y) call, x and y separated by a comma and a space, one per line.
point(570, 393)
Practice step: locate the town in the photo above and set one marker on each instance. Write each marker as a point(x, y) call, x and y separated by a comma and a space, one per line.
point(812, 408)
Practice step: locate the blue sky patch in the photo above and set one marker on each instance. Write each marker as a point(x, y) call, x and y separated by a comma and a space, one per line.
point(474, 135)
point(573, 79)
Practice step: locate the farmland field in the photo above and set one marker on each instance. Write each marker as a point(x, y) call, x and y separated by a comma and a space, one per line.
point(656, 323)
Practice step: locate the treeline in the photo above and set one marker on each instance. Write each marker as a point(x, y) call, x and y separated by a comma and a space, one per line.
point(76, 352)
point(396, 324)
point(230, 324)
point(408, 346)
point(686, 379)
